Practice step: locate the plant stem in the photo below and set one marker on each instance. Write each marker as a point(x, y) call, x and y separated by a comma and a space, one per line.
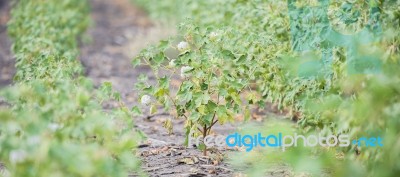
point(204, 136)
point(212, 123)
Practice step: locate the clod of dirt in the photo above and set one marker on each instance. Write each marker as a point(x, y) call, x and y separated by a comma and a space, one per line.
point(188, 160)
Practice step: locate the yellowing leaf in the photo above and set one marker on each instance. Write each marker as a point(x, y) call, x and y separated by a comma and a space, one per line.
point(153, 109)
point(202, 109)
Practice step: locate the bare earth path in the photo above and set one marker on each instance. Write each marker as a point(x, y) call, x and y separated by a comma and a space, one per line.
point(119, 32)
point(7, 62)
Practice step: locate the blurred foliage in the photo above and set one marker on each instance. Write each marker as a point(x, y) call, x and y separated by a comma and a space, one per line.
point(55, 124)
point(255, 45)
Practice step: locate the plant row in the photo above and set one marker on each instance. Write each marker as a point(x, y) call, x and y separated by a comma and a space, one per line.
point(233, 55)
point(55, 124)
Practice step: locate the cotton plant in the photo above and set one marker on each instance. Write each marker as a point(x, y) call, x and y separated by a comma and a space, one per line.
point(183, 46)
point(185, 71)
point(145, 100)
point(211, 80)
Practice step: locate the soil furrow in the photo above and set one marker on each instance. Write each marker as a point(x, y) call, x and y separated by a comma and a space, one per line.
point(7, 62)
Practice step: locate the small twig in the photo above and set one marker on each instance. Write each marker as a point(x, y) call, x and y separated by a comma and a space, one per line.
point(212, 124)
point(212, 166)
point(153, 169)
point(200, 130)
point(155, 115)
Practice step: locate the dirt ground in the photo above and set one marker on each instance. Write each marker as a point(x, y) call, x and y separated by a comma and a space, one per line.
point(6, 60)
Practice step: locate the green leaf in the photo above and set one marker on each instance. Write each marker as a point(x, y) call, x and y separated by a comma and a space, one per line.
point(161, 92)
point(136, 111)
point(205, 98)
point(106, 88)
point(211, 106)
point(222, 92)
point(149, 90)
point(194, 116)
point(159, 58)
point(163, 82)
point(198, 99)
point(186, 85)
point(163, 45)
point(235, 96)
point(228, 54)
point(184, 96)
point(201, 146)
point(247, 114)
point(204, 86)
point(135, 62)
point(117, 96)
point(153, 109)
point(207, 119)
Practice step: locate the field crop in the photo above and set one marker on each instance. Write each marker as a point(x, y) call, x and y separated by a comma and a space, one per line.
point(326, 68)
point(283, 50)
point(54, 124)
